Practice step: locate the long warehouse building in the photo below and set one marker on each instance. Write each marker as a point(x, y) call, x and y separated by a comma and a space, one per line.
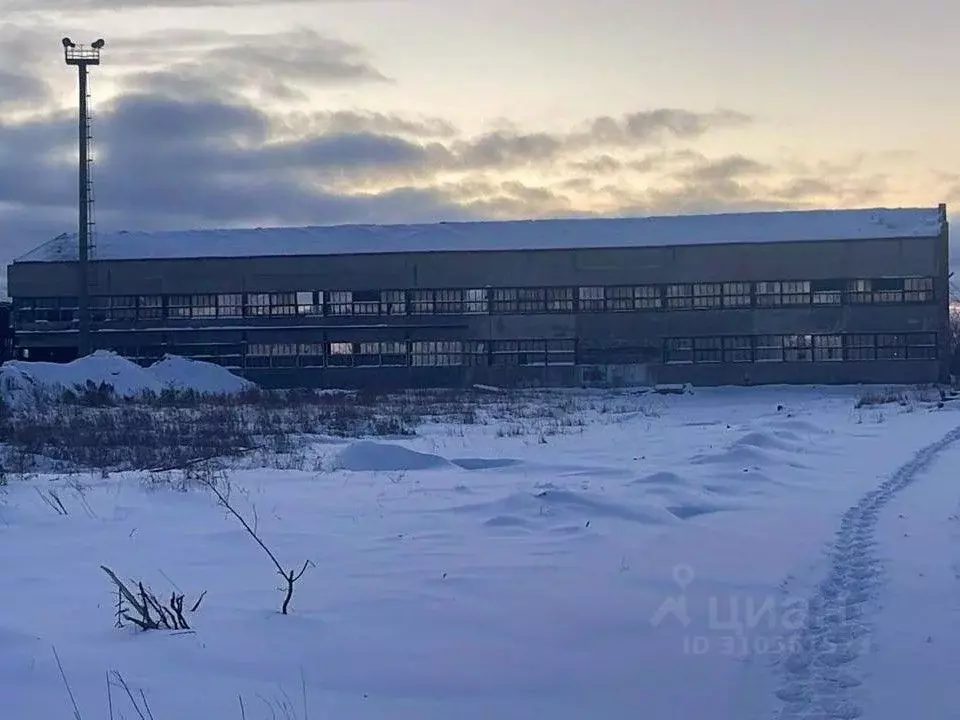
point(821, 296)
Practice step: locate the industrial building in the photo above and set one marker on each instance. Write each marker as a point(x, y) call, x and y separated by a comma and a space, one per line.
point(6, 331)
point(820, 296)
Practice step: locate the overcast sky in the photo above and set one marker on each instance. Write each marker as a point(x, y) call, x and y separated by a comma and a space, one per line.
point(244, 112)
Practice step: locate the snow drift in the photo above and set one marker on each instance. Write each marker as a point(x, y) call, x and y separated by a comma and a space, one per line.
point(22, 383)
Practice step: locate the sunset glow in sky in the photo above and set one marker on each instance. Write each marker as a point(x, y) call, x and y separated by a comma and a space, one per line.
point(241, 112)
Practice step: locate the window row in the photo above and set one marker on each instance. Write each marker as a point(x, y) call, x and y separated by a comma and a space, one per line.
point(530, 300)
point(416, 353)
point(556, 352)
point(801, 348)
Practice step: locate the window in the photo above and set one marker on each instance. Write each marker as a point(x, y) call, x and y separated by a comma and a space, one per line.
point(827, 292)
point(178, 306)
point(918, 289)
point(859, 291)
point(475, 353)
point(306, 305)
point(283, 355)
point(620, 299)
point(647, 297)
point(532, 300)
point(365, 303)
point(891, 347)
point(228, 305)
point(69, 306)
point(373, 353)
point(24, 311)
point(340, 302)
point(707, 350)
point(767, 294)
point(393, 353)
point(532, 352)
point(393, 302)
point(257, 355)
point(340, 354)
point(150, 307)
point(280, 304)
point(590, 299)
point(122, 307)
point(475, 301)
point(860, 347)
point(258, 304)
point(736, 294)
point(368, 354)
point(271, 354)
point(430, 353)
point(679, 350)
point(560, 299)
point(797, 348)
point(505, 352)
point(827, 348)
point(738, 349)
point(707, 295)
point(888, 290)
point(561, 352)
point(203, 306)
point(449, 302)
point(922, 346)
point(421, 302)
point(768, 348)
point(99, 305)
point(504, 300)
point(679, 297)
point(795, 292)
point(310, 354)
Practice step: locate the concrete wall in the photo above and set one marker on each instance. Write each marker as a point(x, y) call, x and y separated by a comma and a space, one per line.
point(699, 263)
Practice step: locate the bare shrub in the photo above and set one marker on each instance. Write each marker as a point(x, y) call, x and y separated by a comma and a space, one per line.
point(148, 613)
point(217, 484)
point(884, 396)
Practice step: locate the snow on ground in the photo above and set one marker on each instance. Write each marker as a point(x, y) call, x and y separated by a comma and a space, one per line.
point(649, 562)
point(916, 639)
point(20, 381)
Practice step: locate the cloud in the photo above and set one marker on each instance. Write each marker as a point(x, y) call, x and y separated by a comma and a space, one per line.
point(206, 64)
point(94, 5)
point(20, 87)
point(193, 144)
point(651, 125)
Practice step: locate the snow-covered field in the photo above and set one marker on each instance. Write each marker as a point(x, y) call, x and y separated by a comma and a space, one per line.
point(727, 554)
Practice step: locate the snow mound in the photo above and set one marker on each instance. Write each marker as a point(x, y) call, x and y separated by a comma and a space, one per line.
point(690, 510)
point(23, 384)
point(484, 463)
point(799, 426)
point(665, 478)
point(185, 374)
point(764, 440)
point(742, 455)
point(550, 505)
point(370, 456)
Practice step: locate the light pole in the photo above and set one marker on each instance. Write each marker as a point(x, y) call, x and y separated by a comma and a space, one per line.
point(83, 57)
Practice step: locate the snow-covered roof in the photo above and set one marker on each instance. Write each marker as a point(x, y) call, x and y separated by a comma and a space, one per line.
point(590, 233)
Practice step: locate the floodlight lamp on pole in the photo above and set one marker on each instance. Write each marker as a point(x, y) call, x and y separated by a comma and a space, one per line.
point(82, 57)
point(82, 54)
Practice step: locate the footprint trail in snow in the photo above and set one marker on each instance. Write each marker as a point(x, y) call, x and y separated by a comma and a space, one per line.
point(820, 670)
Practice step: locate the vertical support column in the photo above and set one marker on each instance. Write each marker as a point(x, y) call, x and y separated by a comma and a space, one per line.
point(83, 220)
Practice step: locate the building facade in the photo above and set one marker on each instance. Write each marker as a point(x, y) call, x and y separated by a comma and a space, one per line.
point(789, 297)
point(6, 331)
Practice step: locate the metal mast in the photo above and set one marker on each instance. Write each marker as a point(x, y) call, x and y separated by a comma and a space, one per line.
point(83, 57)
